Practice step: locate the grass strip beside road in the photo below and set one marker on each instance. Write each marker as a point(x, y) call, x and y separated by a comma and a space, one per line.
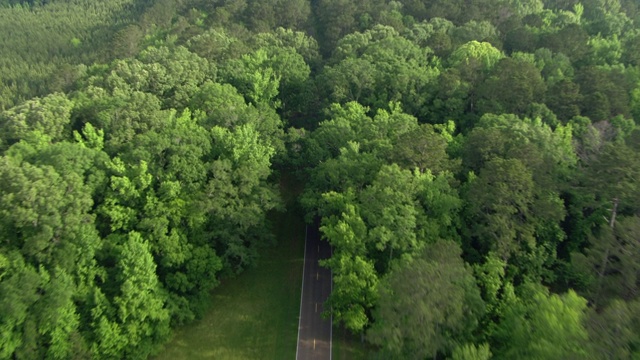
point(253, 316)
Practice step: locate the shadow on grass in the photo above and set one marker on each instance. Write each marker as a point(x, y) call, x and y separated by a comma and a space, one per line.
point(347, 346)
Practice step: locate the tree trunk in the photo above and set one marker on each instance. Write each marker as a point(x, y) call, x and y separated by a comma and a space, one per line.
point(612, 220)
point(605, 258)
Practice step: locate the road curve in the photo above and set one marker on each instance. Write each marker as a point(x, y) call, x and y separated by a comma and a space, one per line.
point(314, 332)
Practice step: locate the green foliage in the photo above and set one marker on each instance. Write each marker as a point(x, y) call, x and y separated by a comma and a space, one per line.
point(237, 212)
point(605, 92)
point(140, 304)
point(253, 76)
point(374, 215)
point(215, 45)
point(502, 215)
point(564, 99)
point(484, 54)
point(141, 141)
point(267, 15)
point(40, 40)
point(337, 18)
point(221, 105)
point(615, 330)
point(379, 66)
point(49, 115)
point(123, 210)
point(354, 276)
point(435, 34)
point(543, 326)
point(390, 211)
point(531, 141)
point(351, 123)
point(609, 265)
point(421, 148)
point(173, 75)
point(44, 213)
point(511, 87)
point(612, 173)
point(471, 352)
point(427, 306)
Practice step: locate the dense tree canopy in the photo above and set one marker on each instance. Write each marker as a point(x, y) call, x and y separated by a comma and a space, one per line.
point(486, 150)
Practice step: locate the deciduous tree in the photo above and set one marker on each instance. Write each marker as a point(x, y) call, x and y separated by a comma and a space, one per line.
point(427, 306)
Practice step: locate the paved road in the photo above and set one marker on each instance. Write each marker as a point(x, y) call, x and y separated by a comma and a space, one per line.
point(314, 332)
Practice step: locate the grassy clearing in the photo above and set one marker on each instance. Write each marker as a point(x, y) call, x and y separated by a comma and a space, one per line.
point(253, 316)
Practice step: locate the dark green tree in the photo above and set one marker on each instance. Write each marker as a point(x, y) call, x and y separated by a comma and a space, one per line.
point(427, 306)
point(511, 87)
point(614, 330)
point(544, 326)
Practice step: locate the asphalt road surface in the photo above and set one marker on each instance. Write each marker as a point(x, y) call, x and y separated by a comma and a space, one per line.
point(314, 332)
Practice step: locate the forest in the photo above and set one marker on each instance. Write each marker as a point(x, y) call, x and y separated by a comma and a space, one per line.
point(475, 166)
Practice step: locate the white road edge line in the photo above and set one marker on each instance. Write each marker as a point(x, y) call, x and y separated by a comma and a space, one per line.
point(304, 265)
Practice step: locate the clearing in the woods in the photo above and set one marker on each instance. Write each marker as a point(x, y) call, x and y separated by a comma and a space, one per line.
point(254, 316)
